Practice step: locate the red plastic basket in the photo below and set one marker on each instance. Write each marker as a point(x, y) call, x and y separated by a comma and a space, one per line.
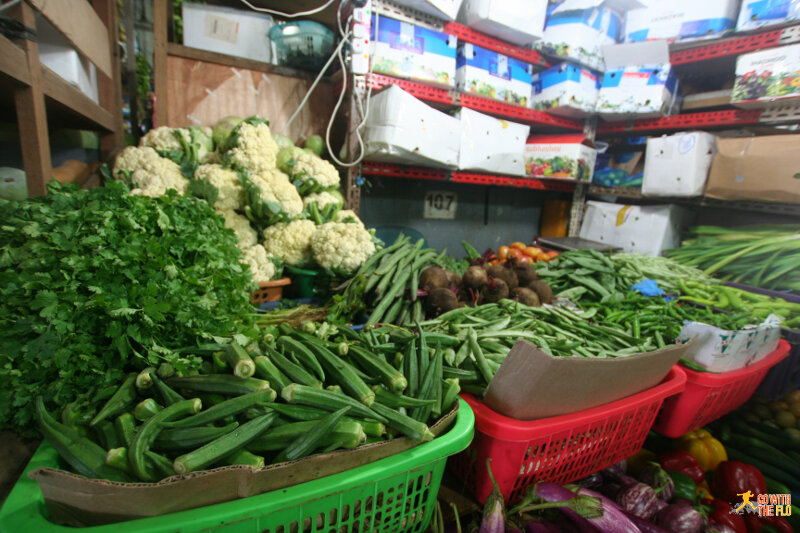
point(710, 396)
point(560, 449)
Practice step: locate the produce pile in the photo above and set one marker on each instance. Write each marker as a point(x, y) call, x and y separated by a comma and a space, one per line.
point(291, 394)
point(282, 202)
point(762, 256)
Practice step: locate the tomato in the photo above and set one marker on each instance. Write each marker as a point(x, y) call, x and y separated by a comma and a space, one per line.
point(526, 259)
point(532, 251)
point(516, 253)
point(518, 245)
point(502, 252)
point(551, 254)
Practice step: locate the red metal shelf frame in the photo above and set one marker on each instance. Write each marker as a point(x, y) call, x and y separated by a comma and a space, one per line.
point(468, 35)
point(373, 168)
point(732, 117)
point(423, 91)
point(727, 47)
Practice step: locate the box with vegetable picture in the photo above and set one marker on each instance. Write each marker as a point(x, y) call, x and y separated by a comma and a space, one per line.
point(570, 156)
point(493, 75)
point(769, 76)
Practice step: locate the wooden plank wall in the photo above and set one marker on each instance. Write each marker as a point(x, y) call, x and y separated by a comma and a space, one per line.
point(200, 93)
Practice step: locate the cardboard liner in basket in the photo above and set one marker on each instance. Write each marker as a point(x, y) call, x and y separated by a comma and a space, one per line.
point(79, 501)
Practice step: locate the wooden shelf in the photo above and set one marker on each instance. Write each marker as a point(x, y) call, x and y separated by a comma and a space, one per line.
point(70, 99)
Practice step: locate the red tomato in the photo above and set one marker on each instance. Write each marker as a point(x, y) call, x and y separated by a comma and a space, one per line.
point(516, 253)
point(533, 251)
point(518, 245)
point(502, 252)
point(526, 259)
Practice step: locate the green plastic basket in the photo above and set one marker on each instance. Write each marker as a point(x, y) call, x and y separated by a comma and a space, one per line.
point(397, 493)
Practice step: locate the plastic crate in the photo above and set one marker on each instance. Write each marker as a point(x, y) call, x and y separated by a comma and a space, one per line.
point(396, 494)
point(709, 396)
point(269, 291)
point(560, 449)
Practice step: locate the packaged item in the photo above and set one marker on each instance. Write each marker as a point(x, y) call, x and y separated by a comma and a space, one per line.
point(560, 156)
point(520, 22)
point(408, 51)
point(57, 54)
point(235, 32)
point(767, 76)
point(677, 165)
point(443, 9)
point(490, 144)
point(760, 13)
point(493, 75)
point(680, 19)
point(567, 90)
point(402, 129)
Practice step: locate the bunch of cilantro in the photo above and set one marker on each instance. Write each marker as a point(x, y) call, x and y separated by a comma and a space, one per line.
point(96, 283)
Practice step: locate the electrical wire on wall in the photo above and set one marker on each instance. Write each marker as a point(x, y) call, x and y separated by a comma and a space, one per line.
point(288, 15)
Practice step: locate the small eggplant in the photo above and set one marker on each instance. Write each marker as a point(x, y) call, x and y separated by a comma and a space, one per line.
point(619, 468)
point(592, 481)
point(611, 520)
point(645, 526)
point(680, 518)
point(541, 527)
point(657, 477)
point(718, 528)
point(639, 500)
point(494, 520)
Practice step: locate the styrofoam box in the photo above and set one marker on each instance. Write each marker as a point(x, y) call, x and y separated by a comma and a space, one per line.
point(402, 129)
point(760, 13)
point(235, 32)
point(519, 22)
point(647, 230)
point(767, 76)
point(677, 165)
point(680, 19)
point(493, 75)
point(490, 144)
point(57, 54)
point(567, 90)
point(445, 9)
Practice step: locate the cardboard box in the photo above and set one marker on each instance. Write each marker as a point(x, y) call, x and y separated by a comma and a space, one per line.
point(566, 90)
point(720, 350)
point(569, 156)
point(638, 83)
point(490, 144)
point(760, 13)
point(520, 22)
point(766, 77)
point(491, 74)
point(402, 129)
point(531, 384)
point(677, 165)
point(577, 29)
point(236, 32)
point(765, 168)
point(680, 19)
point(408, 51)
point(57, 54)
point(621, 168)
point(648, 230)
point(78, 501)
point(444, 9)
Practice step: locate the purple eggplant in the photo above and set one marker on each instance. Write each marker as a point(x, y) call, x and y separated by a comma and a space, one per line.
point(660, 504)
point(619, 468)
point(680, 518)
point(639, 500)
point(718, 528)
point(541, 527)
point(494, 520)
point(592, 481)
point(645, 526)
point(657, 477)
point(612, 520)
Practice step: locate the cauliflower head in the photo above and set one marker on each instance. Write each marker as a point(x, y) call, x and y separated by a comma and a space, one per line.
point(164, 139)
point(149, 173)
point(230, 193)
point(246, 236)
point(262, 266)
point(348, 216)
point(250, 147)
point(189, 147)
point(323, 199)
point(290, 241)
point(271, 198)
point(309, 172)
point(341, 246)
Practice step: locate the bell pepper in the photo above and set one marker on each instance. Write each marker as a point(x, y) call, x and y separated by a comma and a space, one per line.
point(753, 523)
point(683, 462)
point(708, 451)
point(720, 513)
point(781, 525)
point(735, 478)
point(685, 487)
point(703, 490)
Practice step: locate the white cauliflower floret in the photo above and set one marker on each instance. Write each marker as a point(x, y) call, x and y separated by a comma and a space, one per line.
point(290, 241)
point(341, 246)
point(261, 265)
point(150, 174)
point(322, 199)
point(230, 192)
point(246, 236)
point(164, 138)
point(317, 168)
point(348, 216)
point(276, 187)
point(255, 149)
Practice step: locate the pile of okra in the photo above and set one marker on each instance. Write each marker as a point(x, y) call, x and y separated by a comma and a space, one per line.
point(295, 393)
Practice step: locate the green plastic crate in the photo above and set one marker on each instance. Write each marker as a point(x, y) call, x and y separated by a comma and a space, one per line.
point(397, 493)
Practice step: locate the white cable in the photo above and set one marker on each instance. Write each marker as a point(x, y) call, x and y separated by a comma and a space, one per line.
point(333, 116)
point(288, 15)
point(314, 85)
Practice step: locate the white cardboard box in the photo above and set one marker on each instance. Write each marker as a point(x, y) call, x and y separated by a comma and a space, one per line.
point(493, 75)
point(638, 83)
point(767, 76)
point(519, 22)
point(677, 165)
point(680, 19)
point(760, 13)
point(445, 9)
point(402, 129)
point(490, 144)
point(568, 156)
point(57, 54)
point(235, 32)
point(647, 230)
point(567, 90)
